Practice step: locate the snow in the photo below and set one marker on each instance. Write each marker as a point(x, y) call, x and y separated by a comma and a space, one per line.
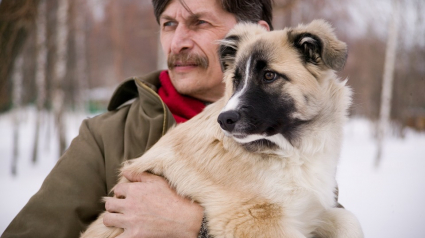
point(16, 191)
point(387, 200)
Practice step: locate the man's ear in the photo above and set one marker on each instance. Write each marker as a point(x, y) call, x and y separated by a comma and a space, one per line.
point(264, 24)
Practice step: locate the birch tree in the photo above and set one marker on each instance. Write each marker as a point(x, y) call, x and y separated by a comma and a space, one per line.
point(59, 71)
point(17, 78)
point(40, 73)
point(387, 80)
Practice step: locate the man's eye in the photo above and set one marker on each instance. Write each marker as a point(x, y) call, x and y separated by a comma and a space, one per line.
point(169, 24)
point(201, 22)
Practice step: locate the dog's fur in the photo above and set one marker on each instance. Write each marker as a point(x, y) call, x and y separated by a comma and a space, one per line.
point(269, 170)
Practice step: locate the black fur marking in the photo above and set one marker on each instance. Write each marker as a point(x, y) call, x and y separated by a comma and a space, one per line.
point(267, 112)
point(314, 51)
point(264, 108)
point(237, 77)
point(291, 132)
point(227, 53)
point(311, 49)
point(260, 145)
point(260, 65)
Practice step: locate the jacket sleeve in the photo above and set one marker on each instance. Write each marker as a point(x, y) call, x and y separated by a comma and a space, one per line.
point(70, 197)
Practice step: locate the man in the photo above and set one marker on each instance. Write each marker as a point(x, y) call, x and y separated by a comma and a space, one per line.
point(70, 197)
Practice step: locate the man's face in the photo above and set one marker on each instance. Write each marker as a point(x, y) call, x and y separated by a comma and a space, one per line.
point(189, 40)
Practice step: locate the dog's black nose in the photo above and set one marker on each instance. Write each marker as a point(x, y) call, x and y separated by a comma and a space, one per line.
point(227, 120)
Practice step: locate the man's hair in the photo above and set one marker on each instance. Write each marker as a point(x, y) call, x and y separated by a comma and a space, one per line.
point(244, 10)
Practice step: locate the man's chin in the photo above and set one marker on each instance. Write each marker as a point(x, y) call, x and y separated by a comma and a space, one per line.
point(197, 83)
point(184, 84)
point(184, 79)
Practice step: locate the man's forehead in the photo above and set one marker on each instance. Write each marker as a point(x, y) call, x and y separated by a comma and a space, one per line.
point(207, 8)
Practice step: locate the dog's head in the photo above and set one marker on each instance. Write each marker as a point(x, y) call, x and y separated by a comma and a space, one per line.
point(276, 82)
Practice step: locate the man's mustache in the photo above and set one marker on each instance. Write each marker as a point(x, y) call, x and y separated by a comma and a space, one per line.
point(187, 59)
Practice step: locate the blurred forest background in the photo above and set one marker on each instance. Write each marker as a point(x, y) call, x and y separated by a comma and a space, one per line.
point(63, 55)
point(60, 61)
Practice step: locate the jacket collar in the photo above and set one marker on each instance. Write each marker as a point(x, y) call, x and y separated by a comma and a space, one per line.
point(129, 89)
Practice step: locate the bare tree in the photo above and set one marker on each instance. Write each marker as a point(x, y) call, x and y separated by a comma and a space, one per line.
point(387, 80)
point(81, 57)
point(116, 32)
point(59, 70)
point(40, 73)
point(16, 19)
point(17, 78)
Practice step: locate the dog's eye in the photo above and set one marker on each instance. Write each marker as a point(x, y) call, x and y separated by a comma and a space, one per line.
point(270, 76)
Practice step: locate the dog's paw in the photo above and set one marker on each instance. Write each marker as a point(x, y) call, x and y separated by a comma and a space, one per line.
point(339, 223)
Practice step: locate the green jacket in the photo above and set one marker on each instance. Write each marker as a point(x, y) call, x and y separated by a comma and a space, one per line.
point(70, 197)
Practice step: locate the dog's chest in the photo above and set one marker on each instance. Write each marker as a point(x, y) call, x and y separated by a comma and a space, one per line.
point(293, 181)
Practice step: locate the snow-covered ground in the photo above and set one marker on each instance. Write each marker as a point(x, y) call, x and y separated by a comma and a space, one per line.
point(16, 191)
point(388, 200)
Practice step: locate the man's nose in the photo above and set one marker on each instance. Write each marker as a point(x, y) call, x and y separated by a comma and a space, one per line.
point(182, 39)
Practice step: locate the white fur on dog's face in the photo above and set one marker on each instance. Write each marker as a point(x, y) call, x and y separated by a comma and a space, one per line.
point(276, 83)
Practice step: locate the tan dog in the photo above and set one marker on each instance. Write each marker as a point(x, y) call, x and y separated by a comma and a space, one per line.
point(262, 159)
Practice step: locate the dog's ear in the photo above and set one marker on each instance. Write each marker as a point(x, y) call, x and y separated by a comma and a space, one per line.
point(318, 45)
point(230, 44)
point(227, 51)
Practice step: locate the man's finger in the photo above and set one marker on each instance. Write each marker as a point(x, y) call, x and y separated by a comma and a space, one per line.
point(144, 177)
point(120, 190)
point(131, 177)
point(114, 219)
point(122, 235)
point(113, 204)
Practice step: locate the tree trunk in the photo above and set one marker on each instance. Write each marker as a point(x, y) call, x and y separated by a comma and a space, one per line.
point(387, 81)
point(17, 78)
point(116, 32)
point(81, 56)
point(59, 71)
point(16, 18)
point(40, 74)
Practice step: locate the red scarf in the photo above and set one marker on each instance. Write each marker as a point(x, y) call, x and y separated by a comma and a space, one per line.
point(182, 107)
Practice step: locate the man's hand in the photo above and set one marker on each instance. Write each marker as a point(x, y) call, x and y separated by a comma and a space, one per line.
point(149, 207)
